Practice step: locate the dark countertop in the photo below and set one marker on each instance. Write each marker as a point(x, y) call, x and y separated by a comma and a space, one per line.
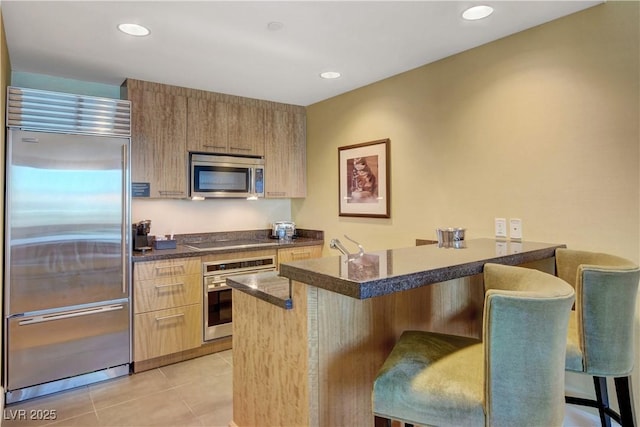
point(385, 272)
point(228, 242)
point(269, 287)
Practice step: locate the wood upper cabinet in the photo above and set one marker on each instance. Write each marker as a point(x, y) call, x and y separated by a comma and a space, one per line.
point(158, 141)
point(207, 129)
point(285, 154)
point(246, 129)
point(220, 127)
point(168, 122)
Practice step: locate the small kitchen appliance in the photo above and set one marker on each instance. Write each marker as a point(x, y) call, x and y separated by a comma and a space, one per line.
point(287, 228)
point(141, 235)
point(217, 313)
point(218, 176)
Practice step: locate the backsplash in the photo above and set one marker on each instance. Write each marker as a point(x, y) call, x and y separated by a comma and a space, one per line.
point(208, 216)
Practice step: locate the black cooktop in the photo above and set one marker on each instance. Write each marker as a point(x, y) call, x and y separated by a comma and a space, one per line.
point(227, 244)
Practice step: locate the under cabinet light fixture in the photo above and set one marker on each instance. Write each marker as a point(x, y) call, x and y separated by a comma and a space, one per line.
point(477, 12)
point(134, 30)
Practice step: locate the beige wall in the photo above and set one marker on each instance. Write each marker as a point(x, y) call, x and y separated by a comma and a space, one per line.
point(542, 126)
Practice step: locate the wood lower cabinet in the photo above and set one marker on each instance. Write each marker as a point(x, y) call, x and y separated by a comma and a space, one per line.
point(169, 331)
point(285, 154)
point(297, 254)
point(167, 301)
point(158, 139)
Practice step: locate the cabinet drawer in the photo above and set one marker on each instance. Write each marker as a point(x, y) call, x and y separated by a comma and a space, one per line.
point(169, 292)
point(296, 254)
point(163, 332)
point(166, 268)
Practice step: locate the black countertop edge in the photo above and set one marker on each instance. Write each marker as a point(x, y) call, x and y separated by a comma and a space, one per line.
point(269, 287)
point(182, 251)
point(387, 285)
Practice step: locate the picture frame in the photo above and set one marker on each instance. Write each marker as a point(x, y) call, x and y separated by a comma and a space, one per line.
point(364, 189)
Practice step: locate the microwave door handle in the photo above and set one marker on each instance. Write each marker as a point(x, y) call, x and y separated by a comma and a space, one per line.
point(252, 184)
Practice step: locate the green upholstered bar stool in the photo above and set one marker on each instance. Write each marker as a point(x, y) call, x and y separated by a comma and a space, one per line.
point(600, 339)
point(513, 377)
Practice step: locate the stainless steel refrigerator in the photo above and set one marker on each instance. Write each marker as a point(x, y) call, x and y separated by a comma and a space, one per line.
point(67, 242)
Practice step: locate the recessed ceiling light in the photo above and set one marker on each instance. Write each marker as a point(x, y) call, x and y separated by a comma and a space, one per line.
point(477, 12)
point(330, 75)
point(275, 26)
point(134, 30)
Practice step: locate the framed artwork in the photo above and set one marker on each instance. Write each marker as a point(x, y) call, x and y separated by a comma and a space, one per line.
point(364, 179)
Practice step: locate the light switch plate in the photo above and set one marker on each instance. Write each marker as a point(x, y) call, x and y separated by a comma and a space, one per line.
point(515, 228)
point(501, 227)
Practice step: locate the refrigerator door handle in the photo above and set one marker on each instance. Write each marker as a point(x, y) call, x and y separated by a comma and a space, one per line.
point(125, 223)
point(68, 314)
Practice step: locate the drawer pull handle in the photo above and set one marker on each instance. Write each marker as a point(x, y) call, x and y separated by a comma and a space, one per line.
point(180, 266)
point(173, 316)
point(171, 285)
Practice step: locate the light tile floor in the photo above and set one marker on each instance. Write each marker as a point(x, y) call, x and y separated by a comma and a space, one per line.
point(194, 393)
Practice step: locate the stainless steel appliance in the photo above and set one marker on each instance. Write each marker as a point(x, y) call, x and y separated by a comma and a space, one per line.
point(218, 176)
point(286, 227)
point(217, 295)
point(67, 242)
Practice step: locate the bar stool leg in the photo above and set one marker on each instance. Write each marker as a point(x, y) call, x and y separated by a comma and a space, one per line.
point(381, 422)
point(625, 401)
point(602, 397)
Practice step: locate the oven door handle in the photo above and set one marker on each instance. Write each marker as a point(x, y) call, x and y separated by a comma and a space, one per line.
point(217, 287)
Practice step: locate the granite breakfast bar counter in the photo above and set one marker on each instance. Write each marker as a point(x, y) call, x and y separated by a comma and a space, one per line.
point(313, 362)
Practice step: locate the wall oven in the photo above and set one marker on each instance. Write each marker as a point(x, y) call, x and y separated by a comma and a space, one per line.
point(217, 295)
point(218, 176)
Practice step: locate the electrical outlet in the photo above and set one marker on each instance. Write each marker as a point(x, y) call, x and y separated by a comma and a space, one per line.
point(515, 228)
point(501, 227)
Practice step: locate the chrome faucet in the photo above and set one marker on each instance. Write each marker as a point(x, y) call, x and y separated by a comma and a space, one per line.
point(336, 244)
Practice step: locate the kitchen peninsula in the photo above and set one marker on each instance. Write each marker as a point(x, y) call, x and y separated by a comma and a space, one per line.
point(312, 361)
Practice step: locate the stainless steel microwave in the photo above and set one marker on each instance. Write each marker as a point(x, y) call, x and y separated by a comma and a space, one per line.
point(220, 176)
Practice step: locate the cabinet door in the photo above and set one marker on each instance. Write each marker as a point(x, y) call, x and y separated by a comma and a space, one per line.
point(171, 292)
point(158, 142)
point(285, 155)
point(163, 332)
point(207, 126)
point(246, 126)
point(166, 284)
point(297, 254)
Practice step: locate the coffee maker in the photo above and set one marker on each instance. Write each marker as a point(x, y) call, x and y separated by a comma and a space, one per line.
point(140, 235)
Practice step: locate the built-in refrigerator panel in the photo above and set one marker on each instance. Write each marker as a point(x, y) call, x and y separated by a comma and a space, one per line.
point(44, 348)
point(67, 242)
point(66, 214)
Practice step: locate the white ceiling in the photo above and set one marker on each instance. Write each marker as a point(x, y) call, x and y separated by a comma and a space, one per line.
point(225, 46)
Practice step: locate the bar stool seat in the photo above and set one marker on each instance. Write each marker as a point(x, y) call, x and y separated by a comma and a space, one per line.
point(600, 334)
point(514, 376)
